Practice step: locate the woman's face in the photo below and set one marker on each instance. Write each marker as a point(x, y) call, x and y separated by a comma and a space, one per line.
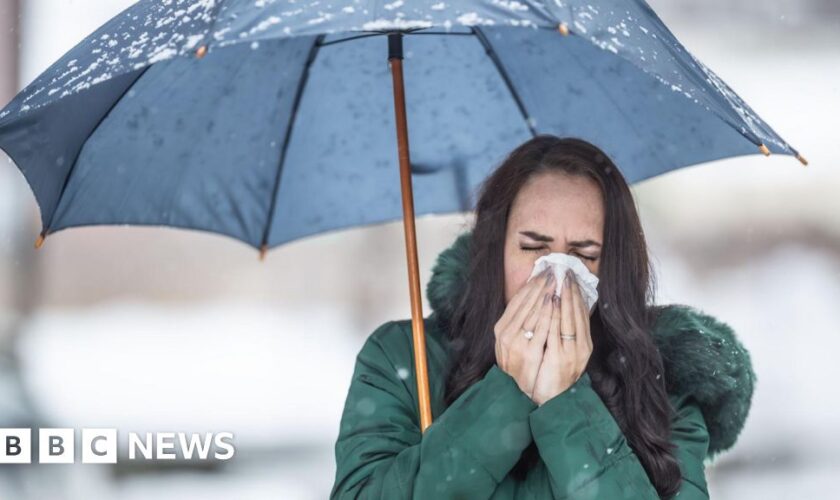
point(553, 212)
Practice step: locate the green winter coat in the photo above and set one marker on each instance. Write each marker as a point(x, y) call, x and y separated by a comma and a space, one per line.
point(472, 445)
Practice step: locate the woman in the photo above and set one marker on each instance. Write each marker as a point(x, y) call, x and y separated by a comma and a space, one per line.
point(624, 403)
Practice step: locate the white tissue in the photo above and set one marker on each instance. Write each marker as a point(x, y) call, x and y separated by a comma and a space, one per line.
point(560, 262)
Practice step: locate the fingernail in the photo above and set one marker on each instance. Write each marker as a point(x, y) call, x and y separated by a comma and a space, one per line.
point(556, 300)
point(568, 281)
point(545, 298)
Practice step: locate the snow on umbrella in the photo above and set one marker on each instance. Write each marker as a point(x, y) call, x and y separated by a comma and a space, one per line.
point(269, 121)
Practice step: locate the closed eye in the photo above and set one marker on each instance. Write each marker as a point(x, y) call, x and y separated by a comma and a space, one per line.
point(536, 249)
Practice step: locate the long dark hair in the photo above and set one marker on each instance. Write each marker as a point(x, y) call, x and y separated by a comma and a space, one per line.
point(624, 363)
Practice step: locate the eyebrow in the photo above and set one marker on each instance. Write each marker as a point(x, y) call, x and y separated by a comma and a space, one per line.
point(541, 237)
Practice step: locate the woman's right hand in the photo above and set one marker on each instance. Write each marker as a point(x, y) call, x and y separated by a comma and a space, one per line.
point(531, 308)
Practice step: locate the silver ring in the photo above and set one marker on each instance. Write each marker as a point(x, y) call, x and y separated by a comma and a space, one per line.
point(568, 337)
point(529, 334)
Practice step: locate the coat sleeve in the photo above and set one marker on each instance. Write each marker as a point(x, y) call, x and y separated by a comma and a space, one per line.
point(587, 455)
point(465, 453)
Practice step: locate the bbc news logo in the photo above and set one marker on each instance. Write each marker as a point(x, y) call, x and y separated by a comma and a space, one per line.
point(99, 446)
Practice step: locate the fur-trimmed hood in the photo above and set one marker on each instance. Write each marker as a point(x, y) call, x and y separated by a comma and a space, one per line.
point(702, 356)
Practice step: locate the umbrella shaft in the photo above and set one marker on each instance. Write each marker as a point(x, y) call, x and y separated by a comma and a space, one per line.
point(395, 57)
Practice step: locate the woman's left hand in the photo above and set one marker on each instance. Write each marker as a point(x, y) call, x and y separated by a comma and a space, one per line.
point(564, 361)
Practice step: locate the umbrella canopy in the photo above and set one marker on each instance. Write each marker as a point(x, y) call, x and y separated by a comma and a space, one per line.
point(268, 121)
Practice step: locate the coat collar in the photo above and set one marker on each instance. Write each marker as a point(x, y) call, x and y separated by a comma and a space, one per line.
point(702, 355)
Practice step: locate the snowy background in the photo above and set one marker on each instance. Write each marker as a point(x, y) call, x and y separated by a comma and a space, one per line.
point(157, 329)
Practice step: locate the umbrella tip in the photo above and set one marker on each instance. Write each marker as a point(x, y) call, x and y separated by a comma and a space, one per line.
point(801, 159)
point(263, 250)
point(40, 241)
point(201, 51)
point(563, 29)
point(764, 149)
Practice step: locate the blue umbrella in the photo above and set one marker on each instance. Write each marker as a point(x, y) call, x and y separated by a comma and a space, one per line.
point(269, 121)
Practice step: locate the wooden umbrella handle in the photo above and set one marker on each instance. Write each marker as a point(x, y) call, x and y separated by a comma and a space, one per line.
point(418, 332)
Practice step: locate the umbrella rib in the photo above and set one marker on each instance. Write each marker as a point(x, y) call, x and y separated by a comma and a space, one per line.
point(439, 33)
point(619, 110)
point(347, 39)
point(494, 57)
point(72, 168)
point(313, 51)
point(380, 33)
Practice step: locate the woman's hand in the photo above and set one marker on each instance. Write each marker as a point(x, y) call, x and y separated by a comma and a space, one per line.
point(564, 360)
point(529, 309)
